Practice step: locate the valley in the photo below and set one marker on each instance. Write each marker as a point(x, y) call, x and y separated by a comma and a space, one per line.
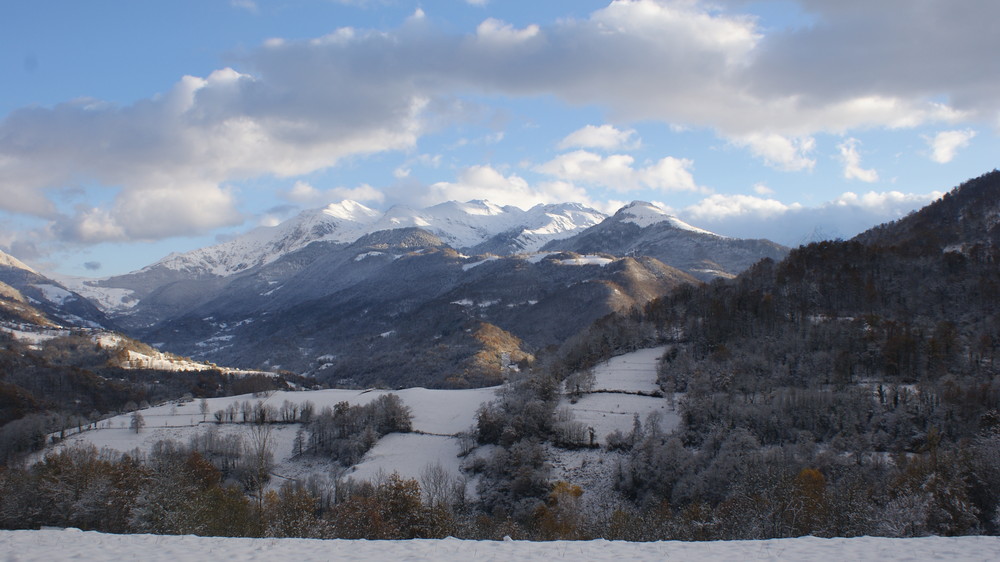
point(568, 393)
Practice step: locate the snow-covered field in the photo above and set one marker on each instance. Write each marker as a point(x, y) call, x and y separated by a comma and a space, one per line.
point(632, 372)
point(616, 398)
point(607, 413)
point(438, 416)
point(72, 544)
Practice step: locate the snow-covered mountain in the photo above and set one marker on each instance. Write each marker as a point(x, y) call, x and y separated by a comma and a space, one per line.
point(460, 225)
point(7, 260)
point(396, 307)
point(506, 230)
point(475, 278)
point(476, 227)
point(62, 305)
point(642, 228)
point(646, 214)
point(341, 222)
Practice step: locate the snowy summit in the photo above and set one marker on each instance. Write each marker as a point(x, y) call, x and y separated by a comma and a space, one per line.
point(647, 214)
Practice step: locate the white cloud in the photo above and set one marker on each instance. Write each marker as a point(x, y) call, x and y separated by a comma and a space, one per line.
point(152, 213)
point(485, 182)
point(780, 152)
point(91, 225)
point(945, 145)
point(888, 203)
point(172, 155)
point(762, 189)
point(852, 162)
point(605, 137)
point(721, 207)
point(494, 33)
point(616, 172)
point(305, 194)
point(748, 216)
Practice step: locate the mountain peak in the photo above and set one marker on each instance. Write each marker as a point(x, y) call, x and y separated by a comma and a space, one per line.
point(8, 260)
point(476, 207)
point(351, 211)
point(645, 214)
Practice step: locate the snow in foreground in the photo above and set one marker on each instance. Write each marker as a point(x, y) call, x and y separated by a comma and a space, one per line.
point(48, 545)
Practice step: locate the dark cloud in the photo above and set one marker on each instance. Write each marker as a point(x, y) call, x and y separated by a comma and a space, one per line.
point(912, 49)
point(92, 265)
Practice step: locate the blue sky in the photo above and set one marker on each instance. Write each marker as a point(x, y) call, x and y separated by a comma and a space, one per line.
point(129, 130)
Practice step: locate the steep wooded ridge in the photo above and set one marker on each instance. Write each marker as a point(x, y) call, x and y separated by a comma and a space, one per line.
point(453, 295)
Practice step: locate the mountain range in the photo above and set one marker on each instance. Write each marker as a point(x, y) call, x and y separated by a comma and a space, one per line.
point(455, 294)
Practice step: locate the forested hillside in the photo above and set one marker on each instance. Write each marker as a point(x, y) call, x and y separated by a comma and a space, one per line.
point(849, 389)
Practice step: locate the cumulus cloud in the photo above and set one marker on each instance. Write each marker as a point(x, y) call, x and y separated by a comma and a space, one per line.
point(945, 145)
point(852, 162)
point(749, 216)
point(617, 172)
point(172, 156)
point(493, 33)
point(889, 203)
point(720, 207)
point(780, 152)
point(604, 137)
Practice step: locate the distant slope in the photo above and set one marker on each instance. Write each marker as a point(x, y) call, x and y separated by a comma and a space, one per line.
point(401, 308)
point(50, 297)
